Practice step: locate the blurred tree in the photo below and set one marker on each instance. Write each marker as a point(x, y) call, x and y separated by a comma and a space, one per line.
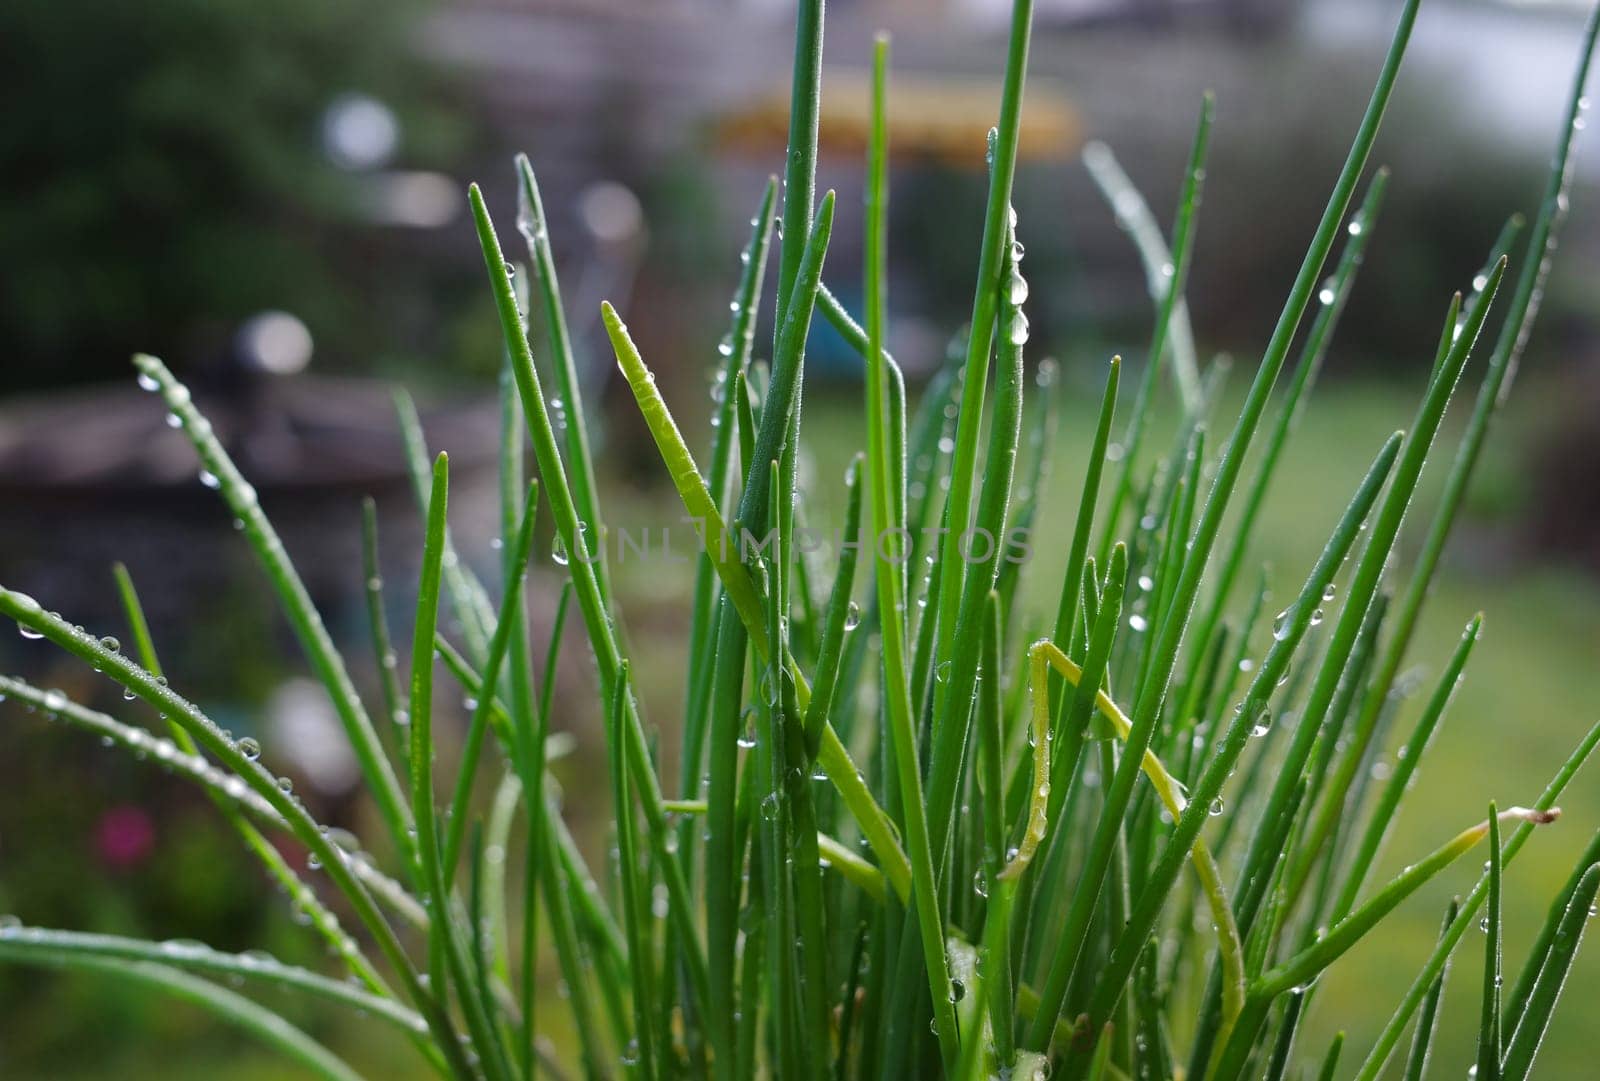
point(166, 173)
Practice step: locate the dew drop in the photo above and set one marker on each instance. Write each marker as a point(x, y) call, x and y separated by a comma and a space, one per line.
point(249, 748)
point(941, 672)
point(110, 644)
point(1019, 330)
point(1216, 807)
point(148, 382)
point(1281, 624)
point(209, 479)
point(852, 616)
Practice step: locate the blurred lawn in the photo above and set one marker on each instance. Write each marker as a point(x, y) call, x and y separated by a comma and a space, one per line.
point(1529, 694)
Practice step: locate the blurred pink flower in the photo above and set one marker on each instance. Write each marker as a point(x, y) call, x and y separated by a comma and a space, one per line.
point(124, 836)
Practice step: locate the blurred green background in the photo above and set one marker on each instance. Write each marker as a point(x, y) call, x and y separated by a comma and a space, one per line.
point(270, 197)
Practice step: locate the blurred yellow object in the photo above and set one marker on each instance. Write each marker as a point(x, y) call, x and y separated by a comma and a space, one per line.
point(944, 119)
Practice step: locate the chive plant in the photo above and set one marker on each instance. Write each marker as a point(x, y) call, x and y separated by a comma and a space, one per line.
point(920, 829)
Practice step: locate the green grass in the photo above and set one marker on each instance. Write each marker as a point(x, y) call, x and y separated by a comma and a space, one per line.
point(935, 813)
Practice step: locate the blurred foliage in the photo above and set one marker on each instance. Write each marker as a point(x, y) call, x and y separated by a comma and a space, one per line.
point(165, 179)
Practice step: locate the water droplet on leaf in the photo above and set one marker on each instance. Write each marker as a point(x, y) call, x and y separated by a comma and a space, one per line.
point(852, 616)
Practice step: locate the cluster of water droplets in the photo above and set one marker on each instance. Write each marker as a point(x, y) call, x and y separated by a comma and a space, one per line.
point(1283, 622)
point(558, 416)
point(1015, 291)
